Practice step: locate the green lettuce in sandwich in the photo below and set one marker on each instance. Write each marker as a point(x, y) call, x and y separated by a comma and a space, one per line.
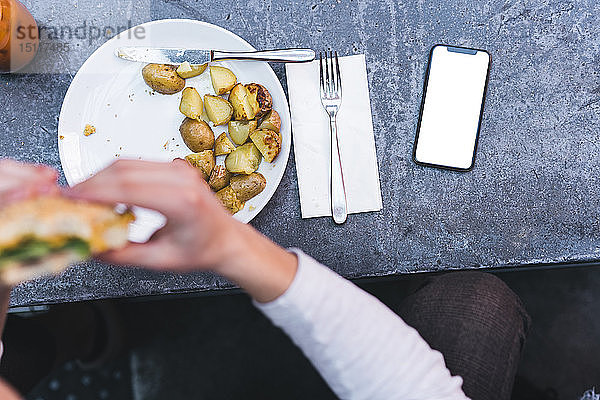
point(46, 234)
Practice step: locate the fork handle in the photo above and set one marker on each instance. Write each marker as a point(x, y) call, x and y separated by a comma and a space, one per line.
point(339, 207)
point(283, 55)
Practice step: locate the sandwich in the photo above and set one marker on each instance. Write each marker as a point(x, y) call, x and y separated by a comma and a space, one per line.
point(46, 234)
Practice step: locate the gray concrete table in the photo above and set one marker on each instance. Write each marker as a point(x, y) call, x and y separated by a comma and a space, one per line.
point(531, 199)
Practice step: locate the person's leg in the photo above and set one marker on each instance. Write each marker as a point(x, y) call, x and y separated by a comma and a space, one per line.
point(477, 323)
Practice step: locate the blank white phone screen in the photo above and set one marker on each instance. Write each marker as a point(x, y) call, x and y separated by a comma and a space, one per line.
point(452, 107)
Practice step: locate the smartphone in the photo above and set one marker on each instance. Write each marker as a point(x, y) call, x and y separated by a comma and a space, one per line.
point(452, 107)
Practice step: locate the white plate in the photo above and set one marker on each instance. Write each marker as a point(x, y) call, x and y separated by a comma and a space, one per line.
point(133, 122)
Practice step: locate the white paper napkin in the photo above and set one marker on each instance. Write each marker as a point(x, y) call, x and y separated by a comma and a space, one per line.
point(310, 130)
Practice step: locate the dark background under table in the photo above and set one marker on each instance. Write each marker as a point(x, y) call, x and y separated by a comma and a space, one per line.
point(221, 347)
point(531, 200)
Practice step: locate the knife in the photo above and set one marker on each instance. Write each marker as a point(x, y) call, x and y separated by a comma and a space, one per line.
point(176, 56)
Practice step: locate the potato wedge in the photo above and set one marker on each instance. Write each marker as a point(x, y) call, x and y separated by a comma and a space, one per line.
point(223, 145)
point(260, 98)
point(204, 116)
point(248, 186)
point(204, 161)
point(240, 100)
point(243, 160)
point(219, 178)
point(218, 110)
point(229, 200)
point(267, 142)
point(240, 130)
point(191, 103)
point(272, 121)
point(223, 80)
point(163, 78)
point(187, 70)
point(197, 135)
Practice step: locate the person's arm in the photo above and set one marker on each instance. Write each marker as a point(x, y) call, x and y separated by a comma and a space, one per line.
point(361, 348)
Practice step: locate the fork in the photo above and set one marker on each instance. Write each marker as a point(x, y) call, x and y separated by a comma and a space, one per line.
point(331, 98)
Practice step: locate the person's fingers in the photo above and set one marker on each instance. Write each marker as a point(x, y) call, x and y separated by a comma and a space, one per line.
point(12, 196)
point(45, 171)
point(14, 177)
point(156, 198)
point(183, 164)
point(13, 168)
point(158, 186)
point(131, 172)
point(18, 194)
point(20, 181)
point(180, 161)
point(154, 255)
point(133, 253)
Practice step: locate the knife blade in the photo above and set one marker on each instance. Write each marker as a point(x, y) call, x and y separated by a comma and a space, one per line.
point(164, 55)
point(176, 56)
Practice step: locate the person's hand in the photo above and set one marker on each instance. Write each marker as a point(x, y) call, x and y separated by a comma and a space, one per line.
point(199, 234)
point(197, 225)
point(19, 181)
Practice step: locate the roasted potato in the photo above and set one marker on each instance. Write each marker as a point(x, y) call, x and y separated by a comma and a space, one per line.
point(248, 186)
point(240, 99)
point(223, 145)
point(204, 116)
point(222, 79)
point(240, 130)
point(272, 121)
point(163, 78)
point(187, 70)
point(191, 103)
point(229, 200)
point(243, 160)
point(218, 110)
point(219, 178)
point(197, 135)
point(204, 161)
point(260, 98)
point(267, 142)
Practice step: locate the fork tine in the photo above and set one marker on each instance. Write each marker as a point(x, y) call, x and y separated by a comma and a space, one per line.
point(333, 88)
point(338, 75)
point(333, 74)
point(327, 73)
point(321, 73)
point(327, 78)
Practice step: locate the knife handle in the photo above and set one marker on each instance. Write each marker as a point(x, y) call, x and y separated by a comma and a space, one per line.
point(283, 55)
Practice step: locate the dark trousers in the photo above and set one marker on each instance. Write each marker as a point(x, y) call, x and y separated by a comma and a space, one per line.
point(472, 318)
point(477, 323)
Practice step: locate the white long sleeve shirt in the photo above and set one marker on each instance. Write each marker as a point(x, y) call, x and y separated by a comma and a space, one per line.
point(359, 346)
